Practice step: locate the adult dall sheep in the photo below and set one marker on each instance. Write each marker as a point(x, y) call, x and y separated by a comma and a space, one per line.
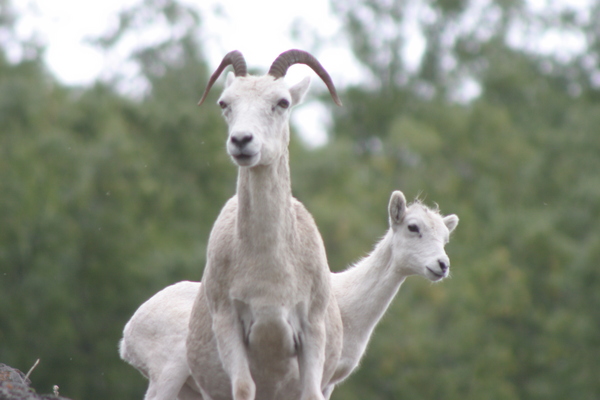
point(266, 283)
point(154, 338)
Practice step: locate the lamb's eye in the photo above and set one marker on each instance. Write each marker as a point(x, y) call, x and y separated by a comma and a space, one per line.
point(413, 228)
point(222, 104)
point(283, 103)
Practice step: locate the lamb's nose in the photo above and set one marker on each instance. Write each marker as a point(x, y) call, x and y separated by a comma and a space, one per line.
point(443, 265)
point(241, 140)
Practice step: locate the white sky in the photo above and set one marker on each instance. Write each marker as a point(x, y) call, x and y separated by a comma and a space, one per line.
point(260, 29)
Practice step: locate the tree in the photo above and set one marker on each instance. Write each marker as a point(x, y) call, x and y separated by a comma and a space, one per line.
point(106, 199)
point(516, 163)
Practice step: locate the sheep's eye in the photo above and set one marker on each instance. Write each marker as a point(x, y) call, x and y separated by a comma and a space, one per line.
point(413, 228)
point(222, 104)
point(283, 103)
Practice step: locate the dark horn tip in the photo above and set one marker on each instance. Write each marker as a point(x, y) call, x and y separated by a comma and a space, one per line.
point(288, 58)
point(233, 58)
point(337, 100)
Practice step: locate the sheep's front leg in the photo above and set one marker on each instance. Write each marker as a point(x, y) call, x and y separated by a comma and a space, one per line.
point(327, 391)
point(311, 360)
point(227, 329)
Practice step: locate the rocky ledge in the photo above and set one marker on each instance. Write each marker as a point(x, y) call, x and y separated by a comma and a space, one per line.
point(14, 385)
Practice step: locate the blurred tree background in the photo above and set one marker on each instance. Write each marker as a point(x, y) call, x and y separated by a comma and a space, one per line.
point(105, 199)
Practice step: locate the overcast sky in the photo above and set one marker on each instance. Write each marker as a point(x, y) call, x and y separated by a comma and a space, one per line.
point(261, 29)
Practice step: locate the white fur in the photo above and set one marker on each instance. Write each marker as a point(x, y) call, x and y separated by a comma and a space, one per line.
point(413, 245)
point(266, 282)
point(154, 342)
point(364, 292)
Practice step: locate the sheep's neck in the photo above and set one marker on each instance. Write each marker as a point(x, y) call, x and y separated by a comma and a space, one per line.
point(264, 204)
point(365, 291)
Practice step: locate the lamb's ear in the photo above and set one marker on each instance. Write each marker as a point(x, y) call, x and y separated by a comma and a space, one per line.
point(299, 90)
point(397, 208)
point(230, 78)
point(451, 221)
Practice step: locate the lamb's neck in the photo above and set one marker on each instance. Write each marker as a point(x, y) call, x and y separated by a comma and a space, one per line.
point(365, 290)
point(264, 203)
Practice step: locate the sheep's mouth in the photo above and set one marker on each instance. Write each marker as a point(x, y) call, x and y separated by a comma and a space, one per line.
point(244, 160)
point(436, 275)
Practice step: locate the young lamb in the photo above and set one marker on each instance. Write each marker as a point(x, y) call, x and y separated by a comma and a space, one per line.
point(153, 340)
point(413, 245)
point(267, 284)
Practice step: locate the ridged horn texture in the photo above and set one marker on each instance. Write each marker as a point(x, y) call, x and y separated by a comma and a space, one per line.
point(288, 58)
point(234, 58)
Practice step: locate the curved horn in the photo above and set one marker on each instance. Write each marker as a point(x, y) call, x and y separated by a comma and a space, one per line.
point(234, 58)
point(288, 58)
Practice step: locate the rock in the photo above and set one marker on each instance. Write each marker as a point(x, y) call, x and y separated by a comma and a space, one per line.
point(15, 386)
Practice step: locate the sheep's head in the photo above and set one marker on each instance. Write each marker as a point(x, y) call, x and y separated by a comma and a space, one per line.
point(257, 109)
point(419, 237)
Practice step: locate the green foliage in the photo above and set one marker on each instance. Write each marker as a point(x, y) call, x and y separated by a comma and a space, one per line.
point(105, 200)
point(518, 165)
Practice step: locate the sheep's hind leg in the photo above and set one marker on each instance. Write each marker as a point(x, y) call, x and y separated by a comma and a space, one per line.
point(169, 383)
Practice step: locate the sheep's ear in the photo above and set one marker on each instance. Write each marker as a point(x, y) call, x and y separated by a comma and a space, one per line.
point(451, 221)
point(230, 78)
point(299, 90)
point(397, 208)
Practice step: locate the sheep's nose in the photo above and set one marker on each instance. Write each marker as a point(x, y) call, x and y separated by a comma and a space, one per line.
point(443, 265)
point(241, 140)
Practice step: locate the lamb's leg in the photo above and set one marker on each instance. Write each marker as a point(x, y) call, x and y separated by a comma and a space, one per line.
point(227, 329)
